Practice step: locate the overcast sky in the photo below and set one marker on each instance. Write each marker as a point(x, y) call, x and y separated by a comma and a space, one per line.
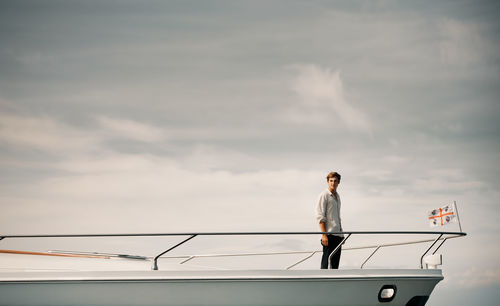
point(182, 116)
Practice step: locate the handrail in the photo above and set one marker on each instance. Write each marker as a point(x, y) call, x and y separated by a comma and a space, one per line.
point(311, 253)
point(398, 243)
point(230, 234)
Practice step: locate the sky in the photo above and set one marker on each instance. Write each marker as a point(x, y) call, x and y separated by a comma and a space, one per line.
point(202, 116)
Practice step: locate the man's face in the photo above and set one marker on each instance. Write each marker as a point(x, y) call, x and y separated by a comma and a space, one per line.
point(333, 183)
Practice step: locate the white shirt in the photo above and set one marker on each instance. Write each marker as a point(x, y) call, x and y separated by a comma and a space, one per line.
point(328, 211)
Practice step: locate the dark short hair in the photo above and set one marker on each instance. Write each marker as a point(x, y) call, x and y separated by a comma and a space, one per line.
point(332, 175)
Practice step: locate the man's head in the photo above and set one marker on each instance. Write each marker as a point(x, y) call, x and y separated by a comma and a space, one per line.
point(333, 180)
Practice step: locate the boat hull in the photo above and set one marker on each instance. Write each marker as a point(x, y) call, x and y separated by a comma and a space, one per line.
point(323, 287)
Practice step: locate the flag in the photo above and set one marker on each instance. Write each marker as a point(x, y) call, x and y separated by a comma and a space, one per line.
point(443, 215)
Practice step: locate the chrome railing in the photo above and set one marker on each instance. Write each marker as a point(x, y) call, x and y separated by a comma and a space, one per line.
point(441, 236)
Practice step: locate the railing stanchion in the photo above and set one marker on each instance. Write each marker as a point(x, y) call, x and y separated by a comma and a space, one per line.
point(444, 240)
point(188, 259)
point(336, 249)
point(422, 258)
point(378, 247)
point(302, 260)
point(155, 260)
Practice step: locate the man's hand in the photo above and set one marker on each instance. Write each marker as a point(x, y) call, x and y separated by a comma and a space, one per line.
point(324, 240)
point(324, 237)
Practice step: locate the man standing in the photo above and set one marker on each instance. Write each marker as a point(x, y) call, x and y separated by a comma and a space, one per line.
point(328, 216)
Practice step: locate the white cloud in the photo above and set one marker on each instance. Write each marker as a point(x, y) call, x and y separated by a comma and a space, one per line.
point(60, 139)
point(122, 192)
point(130, 129)
point(43, 133)
point(324, 101)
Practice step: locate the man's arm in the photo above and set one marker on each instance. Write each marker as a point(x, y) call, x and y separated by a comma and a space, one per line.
point(321, 217)
point(324, 237)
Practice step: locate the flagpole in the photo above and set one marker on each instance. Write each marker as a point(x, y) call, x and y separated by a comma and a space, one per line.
point(456, 209)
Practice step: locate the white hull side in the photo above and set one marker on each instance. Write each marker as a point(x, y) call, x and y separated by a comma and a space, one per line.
point(324, 287)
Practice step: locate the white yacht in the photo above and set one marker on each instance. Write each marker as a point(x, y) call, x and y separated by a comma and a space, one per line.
point(185, 284)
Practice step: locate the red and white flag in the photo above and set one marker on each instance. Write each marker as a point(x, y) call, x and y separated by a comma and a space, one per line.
point(442, 215)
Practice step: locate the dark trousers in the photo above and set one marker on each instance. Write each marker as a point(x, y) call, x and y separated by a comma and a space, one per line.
point(333, 242)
